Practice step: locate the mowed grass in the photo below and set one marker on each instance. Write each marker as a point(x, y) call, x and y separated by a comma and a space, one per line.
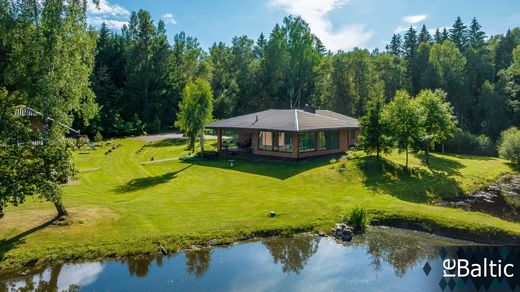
point(123, 207)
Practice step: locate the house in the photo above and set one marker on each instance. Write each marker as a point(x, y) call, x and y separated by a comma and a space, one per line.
point(36, 123)
point(289, 133)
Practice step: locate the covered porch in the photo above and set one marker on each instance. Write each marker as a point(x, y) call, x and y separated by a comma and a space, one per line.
point(285, 144)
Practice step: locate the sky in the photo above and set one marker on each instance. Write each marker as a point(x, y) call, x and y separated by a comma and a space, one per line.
point(340, 24)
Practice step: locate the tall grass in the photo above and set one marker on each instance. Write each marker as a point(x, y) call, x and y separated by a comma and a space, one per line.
point(357, 218)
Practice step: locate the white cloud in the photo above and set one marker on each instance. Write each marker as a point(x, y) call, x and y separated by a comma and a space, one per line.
point(414, 18)
point(105, 8)
point(315, 13)
point(168, 18)
point(113, 15)
point(111, 23)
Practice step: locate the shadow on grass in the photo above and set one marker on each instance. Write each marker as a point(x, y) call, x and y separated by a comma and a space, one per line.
point(8, 244)
point(413, 185)
point(441, 164)
point(169, 143)
point(148, 182)
point(276, 169)
point(178, 142)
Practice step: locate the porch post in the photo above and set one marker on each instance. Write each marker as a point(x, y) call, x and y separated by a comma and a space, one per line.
point(219, 140)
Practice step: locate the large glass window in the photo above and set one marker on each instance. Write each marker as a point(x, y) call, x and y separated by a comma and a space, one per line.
point(307, 142)
point(329, 140)
point(275, 141)
point(265, 141)
point(284, 141)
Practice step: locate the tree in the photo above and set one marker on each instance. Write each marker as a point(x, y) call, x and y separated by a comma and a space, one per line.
point(410, 42)
point(394, 47)
point(50, 63)
point(402, 117)
point(374, 136)
point(476, 37)
point(196, 110)
point(437, 121)
point(458, 34)
point(290, 58)
point(424, 35)
point(509, 145)
point(437, 36)
point(448, 64)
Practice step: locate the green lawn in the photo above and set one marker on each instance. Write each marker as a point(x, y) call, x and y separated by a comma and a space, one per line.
point(122, 206)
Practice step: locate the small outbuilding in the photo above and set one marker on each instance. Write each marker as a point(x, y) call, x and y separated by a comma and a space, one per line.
point(288, 133)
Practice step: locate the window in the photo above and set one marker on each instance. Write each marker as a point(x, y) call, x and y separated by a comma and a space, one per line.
point(284, 141)
point(275, 141)
point(265, 141)
point(307, 142)
point(329, 140)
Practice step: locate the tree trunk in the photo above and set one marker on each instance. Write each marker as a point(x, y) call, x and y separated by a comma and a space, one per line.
point(427, 155)
point(406, 157)
point(60, 208)
point(202, 143)
point(443, 148)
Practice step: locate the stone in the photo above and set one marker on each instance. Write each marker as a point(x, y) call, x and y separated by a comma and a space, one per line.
point(342, 231)
point(322, 233)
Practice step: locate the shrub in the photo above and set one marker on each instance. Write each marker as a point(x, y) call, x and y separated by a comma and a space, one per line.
point(466, 143)
point(98, 137)
point(509, 145)
point(357, 218)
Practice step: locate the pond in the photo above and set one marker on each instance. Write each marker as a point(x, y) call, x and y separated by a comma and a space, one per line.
point(384, 259)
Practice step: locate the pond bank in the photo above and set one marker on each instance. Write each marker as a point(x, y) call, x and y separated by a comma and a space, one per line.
point(163, 246)
point(374, 259)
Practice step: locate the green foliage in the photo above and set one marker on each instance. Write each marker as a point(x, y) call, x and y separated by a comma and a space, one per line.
point(374, 132)
point(49, 68)
point(403, 119)
point(437, 122)
point(466, 143)
point(98, 137)
point(509, 145)
point(357, 218)
point(196, 109)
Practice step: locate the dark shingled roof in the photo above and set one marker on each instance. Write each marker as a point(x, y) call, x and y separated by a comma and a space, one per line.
point(289, 120)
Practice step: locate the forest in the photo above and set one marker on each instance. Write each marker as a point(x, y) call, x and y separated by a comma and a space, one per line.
point(139, 75)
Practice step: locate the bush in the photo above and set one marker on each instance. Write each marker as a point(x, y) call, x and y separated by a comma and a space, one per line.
point(466, 143)
point(98, 137)
point(509, 145)
point(357, 218)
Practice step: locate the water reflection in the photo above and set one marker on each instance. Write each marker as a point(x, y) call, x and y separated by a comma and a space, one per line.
point(55, 278)
point(401, 249)
point(293, 253)
point(302, 262)
point(139, 266)
point(197, 261)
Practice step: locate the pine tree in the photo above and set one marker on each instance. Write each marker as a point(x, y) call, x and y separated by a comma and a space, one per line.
point(410, 42)
point(394, 47)
point(445, 35)
point(458, 34)
point(437, 37)
point(424, 35)
point(475, 35)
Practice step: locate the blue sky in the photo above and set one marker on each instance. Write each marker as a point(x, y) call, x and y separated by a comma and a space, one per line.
point(340, 24)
